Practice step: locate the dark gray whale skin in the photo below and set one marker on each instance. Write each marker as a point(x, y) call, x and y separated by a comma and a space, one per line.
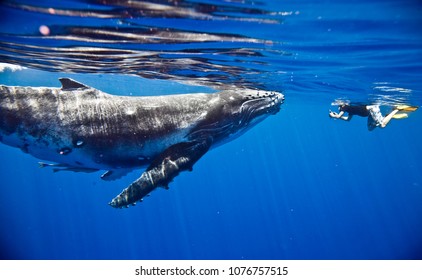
point(81, 128)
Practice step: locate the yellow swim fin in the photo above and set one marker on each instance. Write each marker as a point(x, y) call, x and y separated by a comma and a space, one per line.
point(399, 116)
point(407, 108)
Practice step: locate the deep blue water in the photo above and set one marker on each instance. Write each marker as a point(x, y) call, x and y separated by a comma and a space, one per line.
point(297, 186)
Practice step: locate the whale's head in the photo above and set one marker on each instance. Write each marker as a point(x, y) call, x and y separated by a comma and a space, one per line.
point(248, 107)
point(255, 103)
point(235, 111)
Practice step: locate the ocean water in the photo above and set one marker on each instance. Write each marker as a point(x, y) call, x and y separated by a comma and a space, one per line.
point(299, 185)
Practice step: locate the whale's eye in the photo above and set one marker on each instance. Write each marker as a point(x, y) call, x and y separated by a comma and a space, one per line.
point(65, 151)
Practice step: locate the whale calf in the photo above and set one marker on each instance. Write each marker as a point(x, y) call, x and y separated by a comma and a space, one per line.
point(80, 128)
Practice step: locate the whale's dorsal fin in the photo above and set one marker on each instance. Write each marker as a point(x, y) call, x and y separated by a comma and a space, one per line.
point(69, 84)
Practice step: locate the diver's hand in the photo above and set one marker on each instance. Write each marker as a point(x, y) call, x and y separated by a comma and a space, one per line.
point(333, 114)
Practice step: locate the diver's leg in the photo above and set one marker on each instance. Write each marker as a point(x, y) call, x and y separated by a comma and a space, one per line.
point(388, 118)
point(375, 117)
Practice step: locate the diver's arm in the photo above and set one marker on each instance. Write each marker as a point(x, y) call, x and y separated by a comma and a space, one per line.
point(347, 118)
point(340, 115)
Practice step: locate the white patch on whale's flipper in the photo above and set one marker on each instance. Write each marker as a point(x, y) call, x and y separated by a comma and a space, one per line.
point(69, 84)
point(112, 175)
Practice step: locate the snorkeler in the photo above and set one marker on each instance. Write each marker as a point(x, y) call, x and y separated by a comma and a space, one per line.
point(372, 112)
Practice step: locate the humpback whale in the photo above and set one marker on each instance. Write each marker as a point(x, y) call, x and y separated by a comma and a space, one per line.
point(80, 128)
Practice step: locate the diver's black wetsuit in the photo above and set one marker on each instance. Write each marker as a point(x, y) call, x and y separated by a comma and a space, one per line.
point(358, 110)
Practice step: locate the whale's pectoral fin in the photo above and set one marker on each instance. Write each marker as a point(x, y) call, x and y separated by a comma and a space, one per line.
point(161, 172)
